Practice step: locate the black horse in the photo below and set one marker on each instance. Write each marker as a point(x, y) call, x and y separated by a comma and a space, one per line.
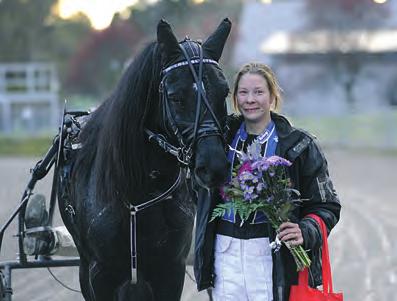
point(158, 135)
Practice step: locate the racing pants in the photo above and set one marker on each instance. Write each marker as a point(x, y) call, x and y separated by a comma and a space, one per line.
point(243, 269)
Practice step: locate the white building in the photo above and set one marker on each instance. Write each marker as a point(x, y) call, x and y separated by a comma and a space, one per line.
point(28, 98)
point(322, 71)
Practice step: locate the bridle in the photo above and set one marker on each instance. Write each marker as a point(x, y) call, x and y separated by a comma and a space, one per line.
point(187, 139)
point(190, 136)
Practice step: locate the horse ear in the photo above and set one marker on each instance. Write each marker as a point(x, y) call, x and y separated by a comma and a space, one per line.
point(168, 43)
point(216, 41)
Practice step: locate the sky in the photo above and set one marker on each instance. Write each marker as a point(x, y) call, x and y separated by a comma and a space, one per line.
point(99, 12)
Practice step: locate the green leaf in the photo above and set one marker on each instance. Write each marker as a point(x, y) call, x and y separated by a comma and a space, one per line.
point(285, 210)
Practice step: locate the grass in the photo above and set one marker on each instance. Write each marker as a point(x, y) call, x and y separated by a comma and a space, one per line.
point(368, 132)
point(377, 130)
point(24, 146)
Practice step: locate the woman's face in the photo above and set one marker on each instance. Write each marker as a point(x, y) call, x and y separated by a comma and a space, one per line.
point(253, 98)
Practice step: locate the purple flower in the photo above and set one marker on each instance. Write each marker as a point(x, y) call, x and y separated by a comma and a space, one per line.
point(277, 161)
point(261, 165)
point(260, 187)
point(245, 176)
point(249, 194)
point(246, 167)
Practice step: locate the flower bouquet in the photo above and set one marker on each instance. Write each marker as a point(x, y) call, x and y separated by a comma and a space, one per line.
point(261, 184)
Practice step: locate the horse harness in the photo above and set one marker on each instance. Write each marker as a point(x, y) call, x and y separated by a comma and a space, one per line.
point(199, 129)
point(183, 152)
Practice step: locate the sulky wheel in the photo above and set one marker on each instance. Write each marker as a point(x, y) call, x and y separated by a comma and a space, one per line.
point(2, 286)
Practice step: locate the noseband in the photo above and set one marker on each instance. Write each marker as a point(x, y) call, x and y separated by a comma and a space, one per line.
point(188, 138)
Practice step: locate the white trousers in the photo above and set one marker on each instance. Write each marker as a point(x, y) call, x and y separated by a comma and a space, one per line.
point(243, 269)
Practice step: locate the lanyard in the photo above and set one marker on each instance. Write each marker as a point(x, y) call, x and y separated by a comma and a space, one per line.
point(269, 135)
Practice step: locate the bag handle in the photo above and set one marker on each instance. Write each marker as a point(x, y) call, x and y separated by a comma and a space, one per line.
point(326, 267)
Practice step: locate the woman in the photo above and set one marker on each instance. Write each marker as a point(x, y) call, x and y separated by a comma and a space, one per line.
point(238, 261)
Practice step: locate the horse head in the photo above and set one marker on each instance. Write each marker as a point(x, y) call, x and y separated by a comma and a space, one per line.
point(193, 90)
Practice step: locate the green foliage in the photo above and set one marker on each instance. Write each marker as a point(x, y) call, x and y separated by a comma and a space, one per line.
point(65, 39)
point(23, 28)
point(90, 62)
point(99, 61)
point(240, 207)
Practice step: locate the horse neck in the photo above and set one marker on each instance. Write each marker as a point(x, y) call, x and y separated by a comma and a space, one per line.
point(162, 168)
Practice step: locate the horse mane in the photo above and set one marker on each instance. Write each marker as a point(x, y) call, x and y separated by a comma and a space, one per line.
point(114, 139)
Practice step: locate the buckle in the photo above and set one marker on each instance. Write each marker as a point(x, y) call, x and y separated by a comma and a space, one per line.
point(185, 155)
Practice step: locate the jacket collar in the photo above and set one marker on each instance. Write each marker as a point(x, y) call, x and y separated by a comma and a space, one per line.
point(283, 126)
point(288, 135)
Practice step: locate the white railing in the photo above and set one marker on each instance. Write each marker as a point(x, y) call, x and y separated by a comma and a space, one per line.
point(22, 78)
point(28, 97)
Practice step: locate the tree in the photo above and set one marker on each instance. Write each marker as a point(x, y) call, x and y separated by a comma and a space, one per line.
point(31, 31)
point(23, 28)
point(100, 60)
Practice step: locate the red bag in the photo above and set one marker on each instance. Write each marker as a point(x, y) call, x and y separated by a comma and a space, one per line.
point(302, 291)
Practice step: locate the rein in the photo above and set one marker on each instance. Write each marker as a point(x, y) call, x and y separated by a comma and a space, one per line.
point(183, 152)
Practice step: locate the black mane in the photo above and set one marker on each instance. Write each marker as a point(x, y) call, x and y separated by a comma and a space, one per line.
point(115, 152)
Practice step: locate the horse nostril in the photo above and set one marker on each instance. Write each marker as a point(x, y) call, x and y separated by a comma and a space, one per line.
point(210, 177)
point(202, 172)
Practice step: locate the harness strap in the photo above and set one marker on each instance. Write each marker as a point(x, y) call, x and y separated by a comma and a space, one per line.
point(163, 143)
point(183, 154)
point(200, 89)
point(134, 209)
point(184, 63)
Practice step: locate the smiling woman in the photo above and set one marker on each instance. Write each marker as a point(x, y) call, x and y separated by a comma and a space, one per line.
point(99, 12)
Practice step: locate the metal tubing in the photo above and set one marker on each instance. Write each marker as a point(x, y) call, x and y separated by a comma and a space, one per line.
point(42, 262)
point(7, 284)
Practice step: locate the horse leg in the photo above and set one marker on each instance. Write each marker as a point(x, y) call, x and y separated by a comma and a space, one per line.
point(102, 284)
point(84, 280)
point(165, 275)
point(141, 291)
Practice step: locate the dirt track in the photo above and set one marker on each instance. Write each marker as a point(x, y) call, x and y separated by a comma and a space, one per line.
point(363, 245)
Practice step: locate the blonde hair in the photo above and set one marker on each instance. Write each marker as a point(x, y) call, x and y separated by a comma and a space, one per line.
point(267, 73)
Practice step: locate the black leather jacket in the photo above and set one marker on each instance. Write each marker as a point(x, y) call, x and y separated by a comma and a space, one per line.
point(309, 175)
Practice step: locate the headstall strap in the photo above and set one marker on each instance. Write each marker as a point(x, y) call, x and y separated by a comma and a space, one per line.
point(185, 63)
point(184, 153)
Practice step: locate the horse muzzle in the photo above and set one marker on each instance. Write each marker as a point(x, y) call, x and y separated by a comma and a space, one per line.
point(211, 165)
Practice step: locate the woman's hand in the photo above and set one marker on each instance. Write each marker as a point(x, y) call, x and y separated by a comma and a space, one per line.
point(290, 233)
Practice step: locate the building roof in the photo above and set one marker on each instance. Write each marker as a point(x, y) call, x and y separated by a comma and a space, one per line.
point(326, 41)
point(282, 26)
